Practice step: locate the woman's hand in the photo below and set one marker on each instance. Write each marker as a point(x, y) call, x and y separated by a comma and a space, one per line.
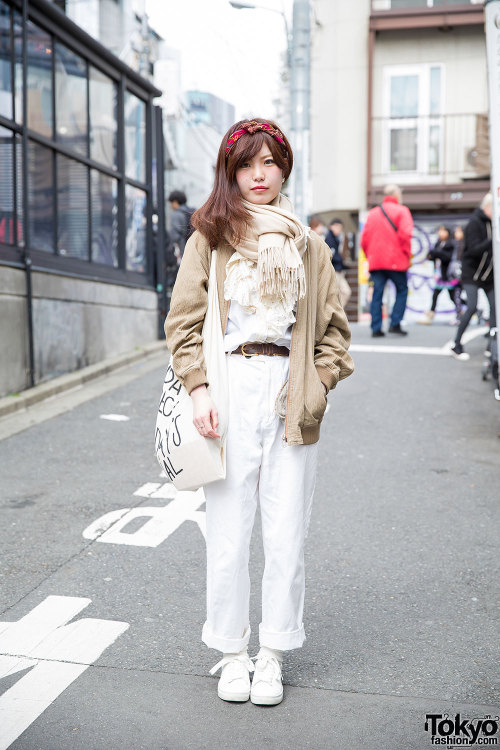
point(205, 416)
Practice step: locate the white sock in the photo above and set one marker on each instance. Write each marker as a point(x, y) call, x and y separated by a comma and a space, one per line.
point(239, 653)
point(266, 651)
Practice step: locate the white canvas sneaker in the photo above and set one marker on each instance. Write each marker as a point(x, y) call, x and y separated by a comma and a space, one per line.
point(267, 687)
point(234, 682)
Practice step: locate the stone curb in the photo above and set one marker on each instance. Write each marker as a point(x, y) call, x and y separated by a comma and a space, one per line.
point(10, 404)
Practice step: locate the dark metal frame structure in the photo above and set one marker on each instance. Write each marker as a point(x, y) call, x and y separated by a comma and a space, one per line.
point(62, 30)
point(53, 21)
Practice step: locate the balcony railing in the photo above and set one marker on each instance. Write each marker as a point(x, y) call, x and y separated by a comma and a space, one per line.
point(380, 5)
point(435, 149)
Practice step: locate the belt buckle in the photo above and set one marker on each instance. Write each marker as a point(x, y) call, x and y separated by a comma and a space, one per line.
point(255, 354)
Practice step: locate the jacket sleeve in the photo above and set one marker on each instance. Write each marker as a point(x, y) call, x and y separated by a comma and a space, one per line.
point(177, 228)
point(405, 231)
point(332, 361)
point(364, 240)
point(475, 243)
point(188, 308)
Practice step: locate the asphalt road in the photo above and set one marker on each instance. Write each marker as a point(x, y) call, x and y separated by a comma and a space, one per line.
point(402, 568)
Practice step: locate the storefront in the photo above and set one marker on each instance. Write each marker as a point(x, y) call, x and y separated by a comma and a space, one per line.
point(77, 197)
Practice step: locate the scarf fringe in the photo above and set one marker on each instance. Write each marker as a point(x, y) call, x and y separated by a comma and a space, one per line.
point(276, 277)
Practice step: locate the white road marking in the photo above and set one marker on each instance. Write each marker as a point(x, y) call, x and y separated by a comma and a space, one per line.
point(443, 351)
point(399, 350)
point(162, 520)
point(57, 654)
point(115, 417)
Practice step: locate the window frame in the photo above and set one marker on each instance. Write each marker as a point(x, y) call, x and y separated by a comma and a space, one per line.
point(422, 121)
point(62, 31)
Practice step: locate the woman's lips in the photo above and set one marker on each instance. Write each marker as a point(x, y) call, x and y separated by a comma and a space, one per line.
point(259, 189)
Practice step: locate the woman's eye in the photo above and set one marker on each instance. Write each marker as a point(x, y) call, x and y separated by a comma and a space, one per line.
point(269, 161)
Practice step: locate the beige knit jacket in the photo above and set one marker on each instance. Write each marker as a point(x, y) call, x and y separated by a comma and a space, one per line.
point(320, 335)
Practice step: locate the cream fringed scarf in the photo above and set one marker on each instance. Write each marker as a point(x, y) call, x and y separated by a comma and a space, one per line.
point(276, 240)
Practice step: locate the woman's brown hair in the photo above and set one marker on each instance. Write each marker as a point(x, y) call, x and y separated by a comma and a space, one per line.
point(223, 216)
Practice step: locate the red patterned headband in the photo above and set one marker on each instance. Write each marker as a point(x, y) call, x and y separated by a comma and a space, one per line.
point(252, 128)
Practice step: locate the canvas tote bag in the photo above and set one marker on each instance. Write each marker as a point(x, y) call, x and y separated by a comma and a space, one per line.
point(188, 459)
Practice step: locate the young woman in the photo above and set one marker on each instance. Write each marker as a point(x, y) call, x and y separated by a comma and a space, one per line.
point(286, 337)
point(442, 255)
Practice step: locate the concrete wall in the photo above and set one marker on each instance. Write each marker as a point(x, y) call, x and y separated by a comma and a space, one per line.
point(76, 323)
point(339, 78)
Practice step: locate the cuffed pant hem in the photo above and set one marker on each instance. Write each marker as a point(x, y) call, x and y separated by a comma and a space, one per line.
point(282, 641)
point(226, 645)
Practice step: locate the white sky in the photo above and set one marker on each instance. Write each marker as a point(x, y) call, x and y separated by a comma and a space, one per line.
point(234, 54)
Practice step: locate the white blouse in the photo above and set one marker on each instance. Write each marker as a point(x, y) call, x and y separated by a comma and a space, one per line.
point(250, 317)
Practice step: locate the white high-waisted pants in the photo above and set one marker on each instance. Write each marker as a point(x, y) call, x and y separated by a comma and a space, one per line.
point(259, 465)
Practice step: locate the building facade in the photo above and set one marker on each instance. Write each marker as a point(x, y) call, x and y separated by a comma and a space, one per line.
point(78, 135)
point(402, 85)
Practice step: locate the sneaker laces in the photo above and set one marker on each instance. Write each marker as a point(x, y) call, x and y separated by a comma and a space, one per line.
point(239, 666)
point(268, 667)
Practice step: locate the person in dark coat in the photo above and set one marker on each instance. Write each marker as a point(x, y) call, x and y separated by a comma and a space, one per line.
point(477, 269)
point(181, 228)
point(332, 239)
point(442, 254)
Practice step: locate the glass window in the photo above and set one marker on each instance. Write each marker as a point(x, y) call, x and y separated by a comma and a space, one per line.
point(404, 149)
point(6, 103)
point(40, 197)
point(435, 91)
point(72, 208)
point(103, 125)
point(71, 99)
point(19, 190)
point(409, 4)
point(7, 213)
point(135, 137)
point(434, 148)
point(18, 66)
point(104, 207)
point(404, 96)
point(135, 214)
point(39, 78)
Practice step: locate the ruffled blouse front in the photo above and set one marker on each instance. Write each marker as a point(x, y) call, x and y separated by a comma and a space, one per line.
point(252, 318)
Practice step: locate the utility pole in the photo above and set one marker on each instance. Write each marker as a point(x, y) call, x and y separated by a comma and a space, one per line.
point(300, 105)
point(492, 28)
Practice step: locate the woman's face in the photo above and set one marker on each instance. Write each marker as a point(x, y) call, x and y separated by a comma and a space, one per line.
point(260, 179)
point(443, 234)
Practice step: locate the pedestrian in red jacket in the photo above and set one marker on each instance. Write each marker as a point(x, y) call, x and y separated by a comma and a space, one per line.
point(386, 241)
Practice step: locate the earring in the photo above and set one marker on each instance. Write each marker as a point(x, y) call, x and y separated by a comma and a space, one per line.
point(283, 180)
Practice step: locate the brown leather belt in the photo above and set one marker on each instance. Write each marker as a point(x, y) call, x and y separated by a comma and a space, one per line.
point(251, 349)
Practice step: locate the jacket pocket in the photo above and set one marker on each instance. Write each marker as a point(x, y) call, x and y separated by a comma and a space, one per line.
point(314, 401)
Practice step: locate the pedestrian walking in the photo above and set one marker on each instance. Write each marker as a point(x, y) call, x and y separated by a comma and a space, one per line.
point(334, 240)
point(181, 228)
point(386, 242)
point(442, 254)
point(477, 269)
point(286, 337)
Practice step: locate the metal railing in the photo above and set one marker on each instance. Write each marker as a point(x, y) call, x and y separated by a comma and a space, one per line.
point(444, 149)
